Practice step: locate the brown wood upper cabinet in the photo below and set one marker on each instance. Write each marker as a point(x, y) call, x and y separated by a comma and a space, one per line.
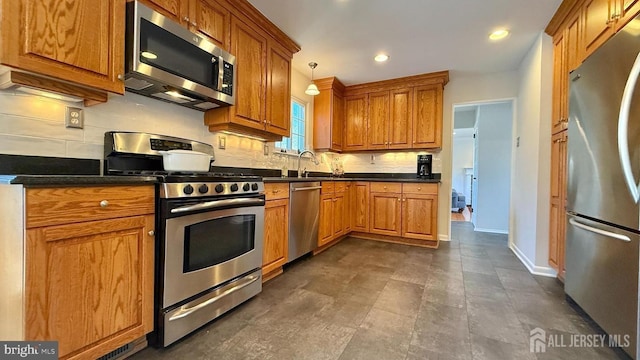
point(403, 113)
point(263, 85)
point(328, 115)
point(207, 18)
point(390, 119)
point(69, 43)
point(355, 129)
point(603, 18)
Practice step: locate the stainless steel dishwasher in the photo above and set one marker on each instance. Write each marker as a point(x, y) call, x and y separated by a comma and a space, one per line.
point(304, 215)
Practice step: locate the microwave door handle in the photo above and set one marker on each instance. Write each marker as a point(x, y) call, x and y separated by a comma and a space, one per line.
point(623, 125)
point(220, 72)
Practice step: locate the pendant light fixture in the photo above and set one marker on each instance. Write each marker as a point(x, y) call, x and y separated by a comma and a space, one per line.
point(312, 89)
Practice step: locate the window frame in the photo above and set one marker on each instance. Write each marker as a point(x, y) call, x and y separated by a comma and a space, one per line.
point(307, 125)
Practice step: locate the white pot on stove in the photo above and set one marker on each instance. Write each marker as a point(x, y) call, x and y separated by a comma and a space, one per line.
point(186, 161)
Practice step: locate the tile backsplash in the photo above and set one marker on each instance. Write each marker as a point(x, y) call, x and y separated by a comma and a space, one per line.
point(33, 125)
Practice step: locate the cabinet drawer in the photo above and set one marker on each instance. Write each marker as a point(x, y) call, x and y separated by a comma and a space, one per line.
point(385, 187)
point(328, 187)
point(414, 188)
point(275, 191)
point(340, 186)
point(66, 205)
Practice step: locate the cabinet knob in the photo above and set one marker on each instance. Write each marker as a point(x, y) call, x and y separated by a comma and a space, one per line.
point(151, 233)
point(186, 19)
point(384, 187)
point(404, 200)
point(104, 203)
point(120, 77)
point(275, 191)
point(194, 24)
point(399, 199)
point(419, 189)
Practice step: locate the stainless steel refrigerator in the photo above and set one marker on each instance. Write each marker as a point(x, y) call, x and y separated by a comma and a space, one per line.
point(602, 188)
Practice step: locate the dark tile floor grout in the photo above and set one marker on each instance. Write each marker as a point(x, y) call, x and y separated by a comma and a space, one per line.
point(470, 299)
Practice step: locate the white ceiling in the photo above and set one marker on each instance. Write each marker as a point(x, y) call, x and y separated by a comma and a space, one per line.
point(421, 36)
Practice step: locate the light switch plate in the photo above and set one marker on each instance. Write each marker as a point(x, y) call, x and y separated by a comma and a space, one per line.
point(222, 142)
point(74, 118)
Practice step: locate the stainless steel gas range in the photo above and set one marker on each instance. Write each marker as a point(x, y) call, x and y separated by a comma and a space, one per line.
point(210, 230)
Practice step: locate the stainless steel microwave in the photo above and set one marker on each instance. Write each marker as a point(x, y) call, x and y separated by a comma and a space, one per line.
point(166, 61)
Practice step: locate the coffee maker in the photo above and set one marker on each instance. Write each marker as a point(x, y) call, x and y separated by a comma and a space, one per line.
point(424, 166)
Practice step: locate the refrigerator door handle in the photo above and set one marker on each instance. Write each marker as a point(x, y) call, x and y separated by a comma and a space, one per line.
point(592, 229)
point(623, 122)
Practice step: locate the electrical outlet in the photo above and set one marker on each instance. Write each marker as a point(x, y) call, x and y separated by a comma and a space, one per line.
point(518, 141)
point(266, 149)
point(373, 159)
point(74, 118)
point(222, 142)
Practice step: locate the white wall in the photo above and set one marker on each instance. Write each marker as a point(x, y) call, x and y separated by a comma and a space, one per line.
point(493, 165)
point(33, 125)
point(531, 175)
point(462, 158)
point(466, 89)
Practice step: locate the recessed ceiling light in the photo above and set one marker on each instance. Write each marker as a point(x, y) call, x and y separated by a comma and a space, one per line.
point(499, 34)
point(381, 57)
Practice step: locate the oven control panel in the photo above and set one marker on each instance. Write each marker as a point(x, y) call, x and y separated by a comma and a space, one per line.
point(186, 190)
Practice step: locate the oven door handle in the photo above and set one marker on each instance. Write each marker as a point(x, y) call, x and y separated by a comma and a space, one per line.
point(183, 312)
point(218, 204)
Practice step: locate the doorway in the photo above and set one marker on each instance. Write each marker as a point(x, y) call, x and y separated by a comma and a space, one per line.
point(481, 165)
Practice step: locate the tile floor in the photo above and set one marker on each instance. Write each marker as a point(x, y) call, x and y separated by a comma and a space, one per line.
point(470, 299)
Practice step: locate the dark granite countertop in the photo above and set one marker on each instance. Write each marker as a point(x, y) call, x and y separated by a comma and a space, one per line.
point(75, 180)
point(377, 179)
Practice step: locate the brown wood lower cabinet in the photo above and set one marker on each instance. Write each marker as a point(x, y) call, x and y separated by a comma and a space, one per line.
point(360, 206)
point(276, 235)
point(408, 210)
point(276, 229)
point(385, 211)
point(335, 219)
point(89, 280)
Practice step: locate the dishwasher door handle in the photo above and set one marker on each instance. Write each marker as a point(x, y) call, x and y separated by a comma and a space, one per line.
point(307, 188)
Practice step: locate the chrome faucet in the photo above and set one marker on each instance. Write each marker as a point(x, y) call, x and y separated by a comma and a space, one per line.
point(315, 160)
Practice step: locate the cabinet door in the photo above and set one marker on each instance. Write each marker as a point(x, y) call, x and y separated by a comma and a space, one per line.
point(90, 285)
point(401, 119)
point(250, 48)
point(325, 228)
point(355, 134)
point(598, 23)
point(378, 121)
point(385, 214)
point(360, 207)
point(276, 235)
point(557, 202)
point(176, 10)
point(348, 207)
point(574, 47)
point(627, 10)
point(560, 79)
point(337, 122)
point(427, 117)
point(338, 215)
point(419, 216)
point(80, 41)
point(278, 91)
point(210, 19)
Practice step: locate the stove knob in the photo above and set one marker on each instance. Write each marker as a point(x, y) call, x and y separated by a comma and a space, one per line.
point(245, 187)
point(234, 187)
point(188, 189)
point(203, 189)
point(254, 186)
point(219, 188)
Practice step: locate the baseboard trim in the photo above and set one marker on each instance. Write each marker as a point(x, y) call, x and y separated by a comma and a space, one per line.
point(535, 270)
point(443, 237)
point(491, 231)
